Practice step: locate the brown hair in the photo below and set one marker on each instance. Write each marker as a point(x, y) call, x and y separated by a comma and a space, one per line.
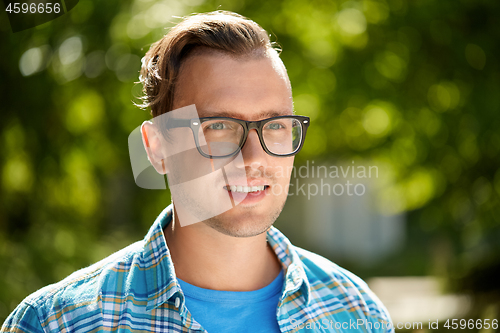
point(223, 31)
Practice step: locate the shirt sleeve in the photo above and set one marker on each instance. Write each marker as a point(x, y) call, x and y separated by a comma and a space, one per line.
point(23, 319)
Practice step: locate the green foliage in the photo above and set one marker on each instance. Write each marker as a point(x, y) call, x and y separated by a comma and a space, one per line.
point(410, 85)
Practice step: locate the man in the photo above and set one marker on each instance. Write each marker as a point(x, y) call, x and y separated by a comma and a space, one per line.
point(225, 134)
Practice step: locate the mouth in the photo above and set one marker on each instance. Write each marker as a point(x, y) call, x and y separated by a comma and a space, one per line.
point(245, 189)
point(247, 195)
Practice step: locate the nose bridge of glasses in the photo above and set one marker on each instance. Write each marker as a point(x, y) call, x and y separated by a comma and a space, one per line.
point(253, 125)
point(250, 126)
point(256, 126)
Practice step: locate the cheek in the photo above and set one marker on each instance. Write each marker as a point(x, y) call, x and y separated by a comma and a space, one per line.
point(283, 169)
point(180, 140)
point(190, 165)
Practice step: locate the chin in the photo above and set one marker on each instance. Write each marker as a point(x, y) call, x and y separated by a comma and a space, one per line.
point(239, 231)
point(245, 221)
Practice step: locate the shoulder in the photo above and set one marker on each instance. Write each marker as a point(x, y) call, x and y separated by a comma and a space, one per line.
point(89, 282)
point(79, 292)
point(321, 268)
point(328, 280)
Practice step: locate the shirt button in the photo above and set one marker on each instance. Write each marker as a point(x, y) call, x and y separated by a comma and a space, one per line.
point(177, 302)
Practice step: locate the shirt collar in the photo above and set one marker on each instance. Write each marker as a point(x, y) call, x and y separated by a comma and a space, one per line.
point(295, 278)
point(162, 284)
point(160, 274)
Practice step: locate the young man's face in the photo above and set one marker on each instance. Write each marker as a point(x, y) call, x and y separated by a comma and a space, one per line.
point(249, 89)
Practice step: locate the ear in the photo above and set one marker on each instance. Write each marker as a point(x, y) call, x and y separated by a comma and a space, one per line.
point(155, 146)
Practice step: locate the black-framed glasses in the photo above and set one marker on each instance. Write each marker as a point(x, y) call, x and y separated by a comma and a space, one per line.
point(221, 137)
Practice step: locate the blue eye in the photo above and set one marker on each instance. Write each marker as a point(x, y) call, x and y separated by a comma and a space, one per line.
point(216, 126)
point(275, 126)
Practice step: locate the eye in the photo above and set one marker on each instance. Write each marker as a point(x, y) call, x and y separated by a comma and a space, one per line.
point(275, 126)
point(217, 126)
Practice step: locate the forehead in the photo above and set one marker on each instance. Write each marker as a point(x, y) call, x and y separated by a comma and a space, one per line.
point(249, 88)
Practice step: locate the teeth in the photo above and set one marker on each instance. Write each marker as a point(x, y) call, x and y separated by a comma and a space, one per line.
point(246, 189)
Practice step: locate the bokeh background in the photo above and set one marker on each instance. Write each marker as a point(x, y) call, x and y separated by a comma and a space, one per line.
point(409, 87)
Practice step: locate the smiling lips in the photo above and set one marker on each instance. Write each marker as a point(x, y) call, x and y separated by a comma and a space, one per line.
point(245, 189)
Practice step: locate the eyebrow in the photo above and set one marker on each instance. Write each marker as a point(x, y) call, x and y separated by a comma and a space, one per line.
point(262, 115)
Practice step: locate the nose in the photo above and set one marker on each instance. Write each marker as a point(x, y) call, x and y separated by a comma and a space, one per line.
point(254, 155)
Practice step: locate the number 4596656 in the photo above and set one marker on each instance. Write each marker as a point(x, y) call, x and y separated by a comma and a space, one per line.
point(471, 324)
point(33, 8)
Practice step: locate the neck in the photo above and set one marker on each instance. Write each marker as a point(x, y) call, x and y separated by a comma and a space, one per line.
point(209, 259)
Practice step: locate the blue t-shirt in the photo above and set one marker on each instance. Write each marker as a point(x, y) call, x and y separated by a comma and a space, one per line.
point(235, 311)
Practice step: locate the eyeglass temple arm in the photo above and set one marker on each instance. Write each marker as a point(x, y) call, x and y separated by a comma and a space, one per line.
point(177, 122)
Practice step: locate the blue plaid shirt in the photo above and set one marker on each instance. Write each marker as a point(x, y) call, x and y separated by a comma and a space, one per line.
point(135, 289)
